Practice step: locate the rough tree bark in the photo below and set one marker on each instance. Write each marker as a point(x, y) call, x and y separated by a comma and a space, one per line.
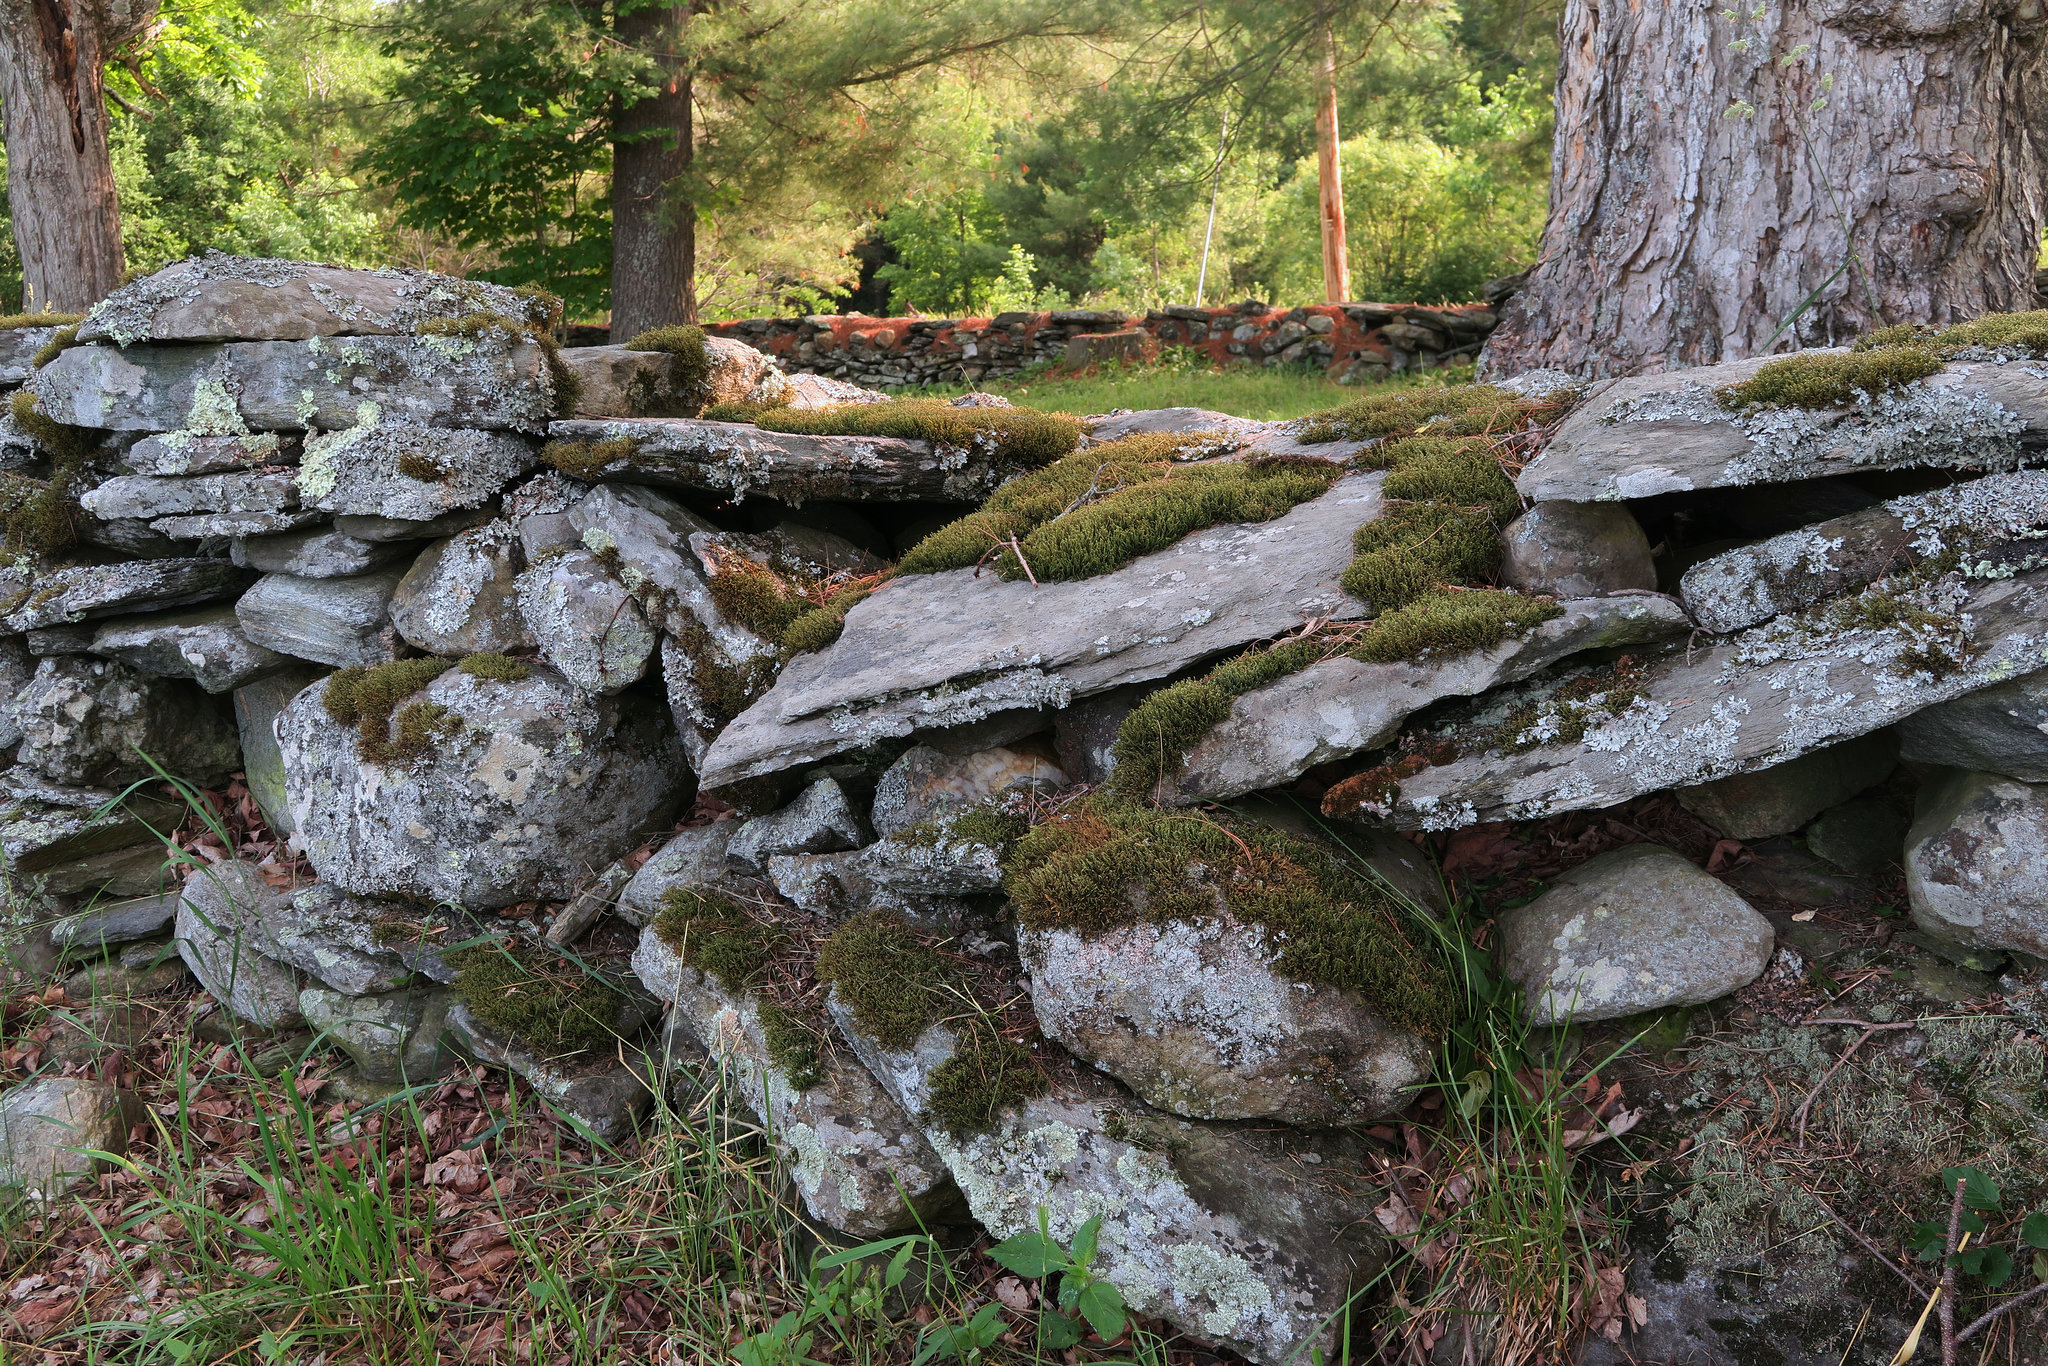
point(654, 231)
point(53, 116)
point(1681, 234)
point(1330, 176)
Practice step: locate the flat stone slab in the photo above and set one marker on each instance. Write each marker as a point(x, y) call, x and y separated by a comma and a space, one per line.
point(18, 349)
point(1757, 699)
point(202, 526)
point(207, 646)
point(409, 471)
point(934, 650)
point(145, 496)
point(176, 453)
point(1344, 706)
point(315, 553)
point(85, 592)
point(739, 459)
point(1666, 433)
point(342, 622)
point(228, 388)
point(218, 297)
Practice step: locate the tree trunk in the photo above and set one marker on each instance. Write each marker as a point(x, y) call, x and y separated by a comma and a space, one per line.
point(1330, 178)
point(1698, 196)
point(654, 230)
point(53, 116)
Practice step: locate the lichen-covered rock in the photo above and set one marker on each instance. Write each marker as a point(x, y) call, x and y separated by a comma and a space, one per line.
point(692, 858)
point(1240, 1235)
point(820, 821)
point(223, 934)
point(496, 381)
point(409, 471)
point(1796, 569)
point(383, 529)
point(1118, 425)
point(1342, 706)
point(926, 782)
point(1779, 799)
point(586, 621)
point(598, 1090)
point(61, 841)
point(143, 497)
point(1665, 433)
point(50, 1129)
point(930, 651)
point(1638, 928)
point(343, 622)
point(462, 597)
point(319, 552)
point(17, 667)
point(1760, 698)
point(395, 1036)
point(220, 297)
point(1195, 1017)
point(84, 592)
point(335, 938)
point(170, 454)
point(256, 707)
point(523, 785)
point(206, 645)
point(1576, 550)
point(1864, 838)
point(1977, 862)
point(2001, 729)
point(19, 347)
point(201, 526)
point(860, 1164)
point(98, 722)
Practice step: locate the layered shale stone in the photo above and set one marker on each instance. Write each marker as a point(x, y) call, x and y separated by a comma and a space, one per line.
point(494, 382)
point(1779, 799)
point(859, 1163)
point(1204, 421)
point(203, 526)
point(820, 821)
point(219, 297)
point(2002, 729)
point(1638, 928)
point(19, 347)
point(1194, 1017)
point(50, 1129)
point(1666, 433)
point(17, 667)
point(343, 622)
point(116, 922)
point(931, 651)
point(71, 840)
point(1245, 1236)
point(335, 939)
point(206, 645)
point(144, 496)
point(85, 592)
point(1576, 550)
point(89, 722)
point(1977, 862)
point(224, 935)
point(256, 707)
point(739, 460)
point(315, 553)
point(1760, 698)
point(1343, 706)
point(925, 783)
point(585, 620)
point(524, 786)
point(382, 529)
point(170, 454)
point(393, 1037)
point(1794, 570)
point(691, 858)
point(613, 381)
point(409, 471)
point(598, 1090)
point(461, 595)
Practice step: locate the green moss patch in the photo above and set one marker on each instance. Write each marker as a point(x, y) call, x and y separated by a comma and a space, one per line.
point(37, 516)
point(986, 822)
point(11, 321)
point(794, 1047)
point(691, 373)
point(714, 933)
point(1446, 621)
point(724, 689)
point(367, 699)
point(1453, 410)
point(1022, 436)
point(986, 1076)
point(1108, 863)
point(588, 459)
point(418, 465)
point(890, 978)
point(1831, 379)
point(496, 667)
point(756, 597)
point(63, 340)
point(551, 1003)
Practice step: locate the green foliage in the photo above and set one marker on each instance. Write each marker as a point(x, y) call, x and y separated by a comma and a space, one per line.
point(1107, 862)
point(550, 1002)
point(366, 699)
point(1828, 379)
point(1445, 621)
point(714, 933)
point(951, 260)
point(1023, 436)
point(894, 982)
point(1083, 1296)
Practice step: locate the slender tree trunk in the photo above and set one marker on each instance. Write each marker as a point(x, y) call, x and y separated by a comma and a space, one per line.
point(53, 116)
point(1883, 156)
point(1330, 178)
point(654, 229)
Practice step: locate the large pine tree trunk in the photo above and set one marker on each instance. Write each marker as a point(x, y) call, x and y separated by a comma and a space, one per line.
point(1681, 235)
point(654, 231)
point(60, 182)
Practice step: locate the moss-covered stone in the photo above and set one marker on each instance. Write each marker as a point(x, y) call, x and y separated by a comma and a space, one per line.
point(692, 370)
point(987, 1076)
point(1105, 863)
point(1452, 410)
point(793, 1046)
point(367, 699)
point(566, 386)
point(1828, 379)
point(587, 459)
point(1024, 436)
point(10, 321)
point(552, 1003)
point(894, 982)
point(40, 517)
point(63, 339)
point(1449, 622)
point(714, 933)
point(499, 668)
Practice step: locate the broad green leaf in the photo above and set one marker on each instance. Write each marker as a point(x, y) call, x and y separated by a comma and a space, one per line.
point(1979, 1190)
point(1102, 1304)
point(1057, 1332)
point(2034, 1231)
point(1030, 1254)
point(1084, 1241)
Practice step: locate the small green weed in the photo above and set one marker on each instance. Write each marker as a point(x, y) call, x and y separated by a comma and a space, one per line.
point(1083, 1296)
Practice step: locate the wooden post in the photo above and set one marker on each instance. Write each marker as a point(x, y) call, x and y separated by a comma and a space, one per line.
point(1330, 179)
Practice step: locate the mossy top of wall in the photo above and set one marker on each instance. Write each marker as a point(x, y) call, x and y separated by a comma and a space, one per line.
point(1885, 360)
point(550, 1002)
point(1105, 863)
point(1024, 436)
point(691, 372)
point(1452, 410)
point(11, 321)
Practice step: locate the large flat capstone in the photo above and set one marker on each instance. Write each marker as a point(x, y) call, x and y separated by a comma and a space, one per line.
point(935, 650)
